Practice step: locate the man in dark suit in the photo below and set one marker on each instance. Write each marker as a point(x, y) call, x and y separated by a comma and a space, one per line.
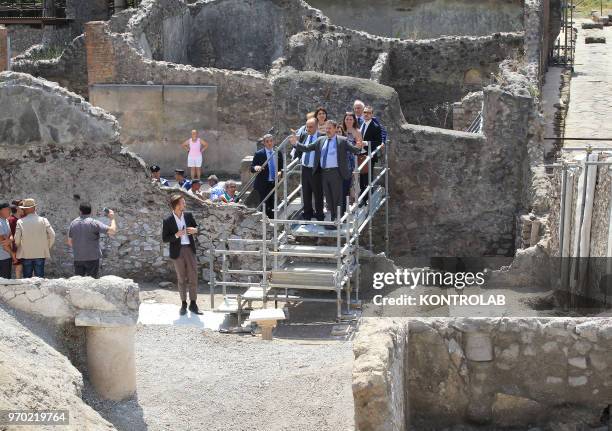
point(179, 229)
point(331, 160)
point(358, 107)
point(264, 183)
point(311, 177)
point(371, 132)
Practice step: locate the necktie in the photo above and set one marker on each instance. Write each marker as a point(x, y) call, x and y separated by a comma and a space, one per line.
point(363, 127)
point(324, 160)
point(307, 155)
point(271, 167)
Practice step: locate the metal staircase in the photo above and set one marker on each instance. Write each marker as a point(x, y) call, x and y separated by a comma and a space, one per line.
point(301, 260)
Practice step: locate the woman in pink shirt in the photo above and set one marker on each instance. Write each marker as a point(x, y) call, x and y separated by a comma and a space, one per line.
point(195, 147)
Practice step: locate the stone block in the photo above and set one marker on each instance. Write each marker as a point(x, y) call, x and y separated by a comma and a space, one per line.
point(592, 25)
point(577, 381)
point(478, 347)
point(593, 39)
point(514, 411)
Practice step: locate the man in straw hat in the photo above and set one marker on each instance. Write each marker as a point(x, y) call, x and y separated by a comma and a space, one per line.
point(34, 238)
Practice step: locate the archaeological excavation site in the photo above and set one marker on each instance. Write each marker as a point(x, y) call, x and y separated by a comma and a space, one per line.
point(384, 215)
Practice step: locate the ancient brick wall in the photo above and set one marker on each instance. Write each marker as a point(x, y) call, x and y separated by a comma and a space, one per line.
point(100, 54)
point(4, 49)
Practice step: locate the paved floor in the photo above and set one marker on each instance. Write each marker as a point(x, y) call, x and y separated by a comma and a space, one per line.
point(590, 108)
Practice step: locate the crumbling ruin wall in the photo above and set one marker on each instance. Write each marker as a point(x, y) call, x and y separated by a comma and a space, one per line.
point(429, 75)
point(249, 102)
point(442, 172)
point(379, 375)
point(61, 309)
point(418, 19)
point(69, 152)
point(523, 78)
point(467, 110)
point(243, 109)
point(493, 372)
point(37, 377)
point(69, 70)
point(219, 33)
point(332, 50)
point(24, 37)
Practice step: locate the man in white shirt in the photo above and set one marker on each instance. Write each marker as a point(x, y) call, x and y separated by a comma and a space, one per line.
point(179, 230)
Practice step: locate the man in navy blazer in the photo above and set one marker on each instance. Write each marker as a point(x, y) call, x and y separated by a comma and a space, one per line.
point(264, 183)
point(311, 177)
point(331, 160)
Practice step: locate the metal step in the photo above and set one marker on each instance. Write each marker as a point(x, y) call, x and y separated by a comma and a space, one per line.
point(321, 251)
point(318, 231)
point(315, 276)
point(253, 294)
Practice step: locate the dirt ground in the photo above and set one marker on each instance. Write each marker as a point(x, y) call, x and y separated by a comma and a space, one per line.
point(194, 379)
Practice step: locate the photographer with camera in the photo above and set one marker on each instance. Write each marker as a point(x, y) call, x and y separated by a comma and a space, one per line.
point(84, 238)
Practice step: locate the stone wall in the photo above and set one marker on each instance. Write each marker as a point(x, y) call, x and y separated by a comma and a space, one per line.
point(27, 384)
point(425, 19)
point(82, 11)
point(379, 376)
point(492, 372)
point(466, 111)
point(430, 75)
point(447, 200)
point(24, 37)
point(108, 301)
point(334, 52)
point(156, 119)
point(217, 33)
point(74, 150)
point(64, 307)
point(69, 70)
point(228, 37)
point(243, 105)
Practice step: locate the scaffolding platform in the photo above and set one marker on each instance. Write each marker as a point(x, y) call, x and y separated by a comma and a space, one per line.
point(292, 270)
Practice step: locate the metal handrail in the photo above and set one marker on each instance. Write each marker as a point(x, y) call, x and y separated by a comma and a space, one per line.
point(277, 183)
point(348, 230)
